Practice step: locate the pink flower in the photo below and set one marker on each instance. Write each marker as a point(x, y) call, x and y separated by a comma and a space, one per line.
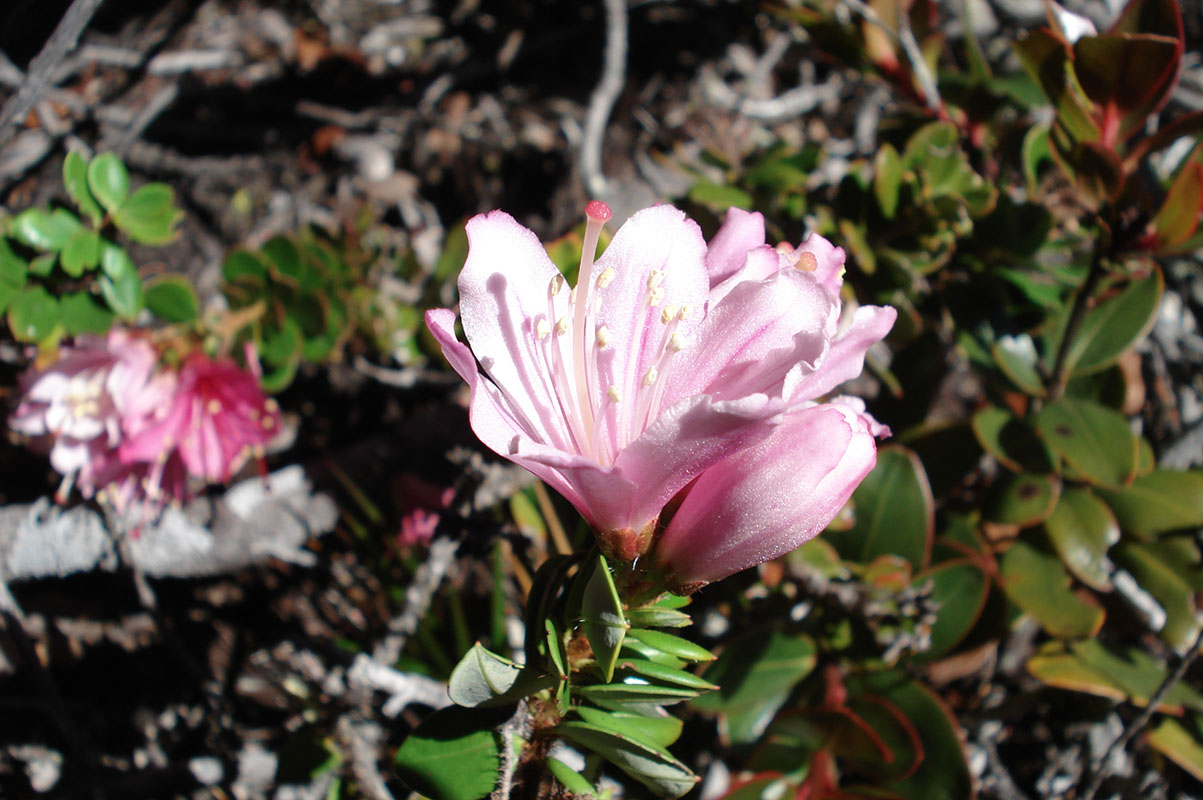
point(216, 419)
point(76, 407)
point(766, 500)
point(664, 361)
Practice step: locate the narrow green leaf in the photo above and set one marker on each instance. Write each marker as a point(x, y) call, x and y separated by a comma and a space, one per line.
point(570, 779)
point(653, 767)
point(657, 617)
point(655, 731)
point(665, 674)
point(887, 179)
point(1169, 570)
point(1114, 326)
point(671, 645)
point(1179, 743)
point(120, 286)
point(635, 694)
point(719, 197)
point(108, 180)
point(602, 618)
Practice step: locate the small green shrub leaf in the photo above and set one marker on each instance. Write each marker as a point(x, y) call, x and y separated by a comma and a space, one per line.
point(1036, 581)
point(1093, 439)
point(33, 314)
point(108, 180)
point(454, 754)
point(1082, 529)
point(172, 298)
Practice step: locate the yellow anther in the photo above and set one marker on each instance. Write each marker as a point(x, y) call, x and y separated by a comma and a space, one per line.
point(655, 296)
point(542, 329)
point(676, 343)
point(606, 278)
point(213, 406)
point(562, 326)
point(685, 313)
point(614, 395)
point(603, 336)
point(649, 377)
point(655, 278)
point(557, 283)
point(807, 262)
point(666, 316)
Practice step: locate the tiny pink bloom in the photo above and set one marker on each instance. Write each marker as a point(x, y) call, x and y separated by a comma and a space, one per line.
point(216, 419)
point(664, 360)
point(76, 406)
point(768, 499)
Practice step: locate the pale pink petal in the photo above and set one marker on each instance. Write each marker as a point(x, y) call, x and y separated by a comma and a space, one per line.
point(764, 501)
point(503, 295)
point(750, 340)
point(659, 246)
point(846, 358)
point(741, 232)
point(761, 263)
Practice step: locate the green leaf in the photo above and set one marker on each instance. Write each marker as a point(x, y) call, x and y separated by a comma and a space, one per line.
point(657, 617)
point(942, 774)
point(1023, 500)
point(1131, 674)
point(887, 179)
point(243, 265)
point(671, 645)
point(602, 618)
point(755, 673)
point(1181, 743)
point(1036, 150)
point(665, 675)
point(570, 779)
point(1082, 529)
point(1164, 500)
point(33, 314)
point(1093, 439)
point(1016, 357)
point(653, 767)
point(483, 678)
point(655, 731)
point(1115, 325)
point(1035, 580)
point(894, 512)
point(635, 694)
point(633, 645)
point(81, 252)
point(75, 180)
point(108, 180)
point(81, 314)
point(14, 270)
point(282, 346)
point(35, 228)
point(454, 754)
point(120, 284)
point(1169, 570)
point(719, 197)
point(289, 267)
point(172, 298)
point(1178, 217)
point(959, 591)
point(149, 216)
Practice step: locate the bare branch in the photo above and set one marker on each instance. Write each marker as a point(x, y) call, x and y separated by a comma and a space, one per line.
point(604, 96)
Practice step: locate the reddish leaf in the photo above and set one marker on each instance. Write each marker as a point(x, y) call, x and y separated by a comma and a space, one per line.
point(1179, 214)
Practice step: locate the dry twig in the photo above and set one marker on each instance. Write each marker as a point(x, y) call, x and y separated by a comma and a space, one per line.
point(604, 96)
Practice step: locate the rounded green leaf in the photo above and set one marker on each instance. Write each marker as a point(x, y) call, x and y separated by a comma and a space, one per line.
point(120, 284)
point(1035, 580)
point(481, 678)
point(1093, 439)
point(108, 181)
point(40, 230)
point(454, 754)
point(172, 298)
point(1164, 500)
point(1023, 500)
point(1168, 569)
point(33, 314)
point(894, 512)
point(243, 265)
point(148, 216)
point(75, 179)
point(81, 314)
point(80, 253)
point(1082, 529)
point(1016, 356)
point(14, 270)
point(1115, 325)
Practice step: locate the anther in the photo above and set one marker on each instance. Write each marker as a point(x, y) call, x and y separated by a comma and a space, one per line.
point(572, 295)
point(807, 262)
point(649, 377)
point(685, 312)
point(603, 336)
point(562, 326)
point(213, 406)
point(542, 328)
point(606, 278)
point(655, 296)
point(614, 395)
point(557, 283)
point(667, 315)
point(676, 343)
point(654, 278)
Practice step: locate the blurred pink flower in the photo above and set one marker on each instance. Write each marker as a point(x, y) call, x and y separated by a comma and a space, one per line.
point(76, 407)
point(664, 361)
point(130, 430)
point(216, 419)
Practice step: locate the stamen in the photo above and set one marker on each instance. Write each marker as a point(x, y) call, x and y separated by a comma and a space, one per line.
point(562, 326)
point(557, 283)
point(676, 343)
point(606, 278)
point(603, 336)
point(614, 394)
point(649, 377)
point(542, 329)
point(655, 296)
point(807, 262)
point(596, 213)
point(685, 312)
point(654, 278)
point(668, 315)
